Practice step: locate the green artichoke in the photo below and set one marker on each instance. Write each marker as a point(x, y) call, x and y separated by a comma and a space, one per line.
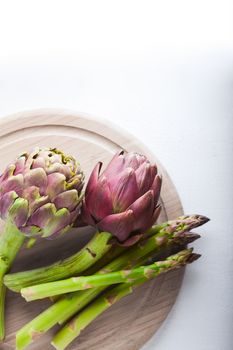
point(41, 192)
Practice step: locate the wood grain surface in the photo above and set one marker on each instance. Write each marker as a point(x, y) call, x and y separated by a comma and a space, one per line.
point(130, 323)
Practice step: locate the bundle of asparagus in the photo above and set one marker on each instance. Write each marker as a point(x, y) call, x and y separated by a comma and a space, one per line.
point(73, 328)
point(165, 237)
point(122, 203)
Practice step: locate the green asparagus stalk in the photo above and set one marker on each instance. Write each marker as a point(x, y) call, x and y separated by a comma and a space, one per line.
point(72, 330)
point(71, 266)
point(89, 255)
point(11, 240)
point(86, 282)
point(70, 304)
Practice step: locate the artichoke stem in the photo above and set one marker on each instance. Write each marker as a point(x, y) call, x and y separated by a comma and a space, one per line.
point(95, 249)
point(11, 240)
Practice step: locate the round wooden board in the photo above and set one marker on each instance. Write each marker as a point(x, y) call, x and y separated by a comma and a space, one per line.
point(130, 323)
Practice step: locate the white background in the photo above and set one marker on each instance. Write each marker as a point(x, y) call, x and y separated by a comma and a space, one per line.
point(164, 71)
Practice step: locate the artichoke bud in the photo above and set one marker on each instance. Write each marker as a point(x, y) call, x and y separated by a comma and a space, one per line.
point(41, 192)
point(123, 199)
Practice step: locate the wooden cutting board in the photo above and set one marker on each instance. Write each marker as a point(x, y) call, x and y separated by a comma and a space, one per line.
point(130, 323)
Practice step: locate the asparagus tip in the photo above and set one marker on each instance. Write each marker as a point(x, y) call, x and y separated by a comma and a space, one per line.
point(199, 220)
point(193, 221)
point(193, 257)
point(203, 219)
point(186, 238)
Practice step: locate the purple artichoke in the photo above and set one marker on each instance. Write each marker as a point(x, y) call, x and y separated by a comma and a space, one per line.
point(41, 192)
point(123, 199)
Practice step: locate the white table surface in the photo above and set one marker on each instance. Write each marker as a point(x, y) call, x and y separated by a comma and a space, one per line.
point(163, 71)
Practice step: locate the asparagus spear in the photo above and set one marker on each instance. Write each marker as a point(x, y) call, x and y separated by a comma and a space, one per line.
point(72, 330)
point(86, 282)
point(87, 257)
point(71, 303)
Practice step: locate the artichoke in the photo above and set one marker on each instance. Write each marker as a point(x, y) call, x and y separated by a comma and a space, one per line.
point(123, 199)
point(122, 203)
point(41, 192)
